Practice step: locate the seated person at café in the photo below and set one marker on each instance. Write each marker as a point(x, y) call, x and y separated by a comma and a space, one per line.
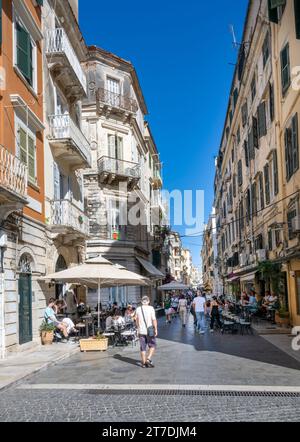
point(59, 306)
point(50, 318)
point(117, 320)
point(129, 314)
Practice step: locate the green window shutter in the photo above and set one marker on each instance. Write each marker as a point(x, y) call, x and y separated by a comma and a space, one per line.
point(240, 173)
point(267, 183)
point(255, 132)
point(24, 52)
point(40, 2)
point(295, 145)
point(22, 145)
point(271, 102)
point(275, 173)
point(246, 152)
point(31, 159)
point(261, 191)
point(297, 17)
point(277, 3)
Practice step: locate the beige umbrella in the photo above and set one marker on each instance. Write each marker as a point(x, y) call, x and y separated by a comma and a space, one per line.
point(98, 272)
point(174, 285)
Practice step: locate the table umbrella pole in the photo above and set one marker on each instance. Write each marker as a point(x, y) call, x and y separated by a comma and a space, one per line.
point(99, 297)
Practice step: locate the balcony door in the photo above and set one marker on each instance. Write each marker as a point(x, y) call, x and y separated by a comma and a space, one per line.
point(62, 188)
point(113, 92)
point(115, 152)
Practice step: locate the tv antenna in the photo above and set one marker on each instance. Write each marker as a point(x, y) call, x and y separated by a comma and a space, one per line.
point(236, 45)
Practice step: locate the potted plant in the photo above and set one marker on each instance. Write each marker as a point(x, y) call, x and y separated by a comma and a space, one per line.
point(282, 317)
point(47, 333)
point(96, 343)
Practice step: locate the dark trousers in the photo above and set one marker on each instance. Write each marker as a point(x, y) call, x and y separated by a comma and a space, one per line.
point(213, 319)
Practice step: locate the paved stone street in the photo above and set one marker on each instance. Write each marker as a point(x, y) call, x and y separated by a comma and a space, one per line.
point(73, 390)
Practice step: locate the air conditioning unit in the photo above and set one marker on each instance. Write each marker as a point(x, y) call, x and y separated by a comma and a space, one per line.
point(261, 255)
point(243, 259)
point(296, 225)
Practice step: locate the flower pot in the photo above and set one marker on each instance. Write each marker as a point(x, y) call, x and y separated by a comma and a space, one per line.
point(93, 344)
point(47, 337)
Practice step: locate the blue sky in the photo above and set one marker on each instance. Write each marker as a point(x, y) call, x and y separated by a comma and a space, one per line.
point(183, 55)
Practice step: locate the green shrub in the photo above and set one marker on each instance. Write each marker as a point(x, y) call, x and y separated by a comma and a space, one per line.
point(46, 327)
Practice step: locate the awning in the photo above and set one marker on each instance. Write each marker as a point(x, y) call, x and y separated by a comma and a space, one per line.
point(150, 269)
point(249, 277)
point(233, 278)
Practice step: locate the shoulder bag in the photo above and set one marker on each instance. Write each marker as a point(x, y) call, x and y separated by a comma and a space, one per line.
point(150, 329)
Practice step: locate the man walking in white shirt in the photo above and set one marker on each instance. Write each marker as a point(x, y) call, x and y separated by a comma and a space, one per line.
point(199, 305)
point(147, 329)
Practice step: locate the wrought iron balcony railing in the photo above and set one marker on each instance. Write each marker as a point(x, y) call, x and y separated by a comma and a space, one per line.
point(116, 101)
point(66, 216)
point(58, 44)
point(62, 127)
point(121, 168)
point(13, 174)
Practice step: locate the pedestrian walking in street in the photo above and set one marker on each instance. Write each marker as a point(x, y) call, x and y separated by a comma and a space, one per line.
point(168, 311)
point(199, 306)
point(182, 308)
point(214, 314)
point(147, 330)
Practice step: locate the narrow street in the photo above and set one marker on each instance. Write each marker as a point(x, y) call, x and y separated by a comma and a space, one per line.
point(212, 377)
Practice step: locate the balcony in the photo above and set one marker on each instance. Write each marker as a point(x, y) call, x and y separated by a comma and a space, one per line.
point(64, 63)
point(113, 171)
point(156, 180)
point(13, 183)
point(69, 142)
point(66, 219)
point(111, 103)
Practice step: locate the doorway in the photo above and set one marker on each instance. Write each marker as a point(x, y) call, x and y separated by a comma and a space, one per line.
point(25, 301)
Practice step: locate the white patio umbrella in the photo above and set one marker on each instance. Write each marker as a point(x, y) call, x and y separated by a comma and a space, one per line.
point(174, 285)
point(98, 272)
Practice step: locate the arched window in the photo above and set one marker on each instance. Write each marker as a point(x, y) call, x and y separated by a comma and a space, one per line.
point(25, 263)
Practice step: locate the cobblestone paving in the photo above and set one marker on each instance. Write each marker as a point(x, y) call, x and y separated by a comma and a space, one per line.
point(84, 406)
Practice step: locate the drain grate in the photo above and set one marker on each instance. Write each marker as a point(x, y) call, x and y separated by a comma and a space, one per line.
point(284, 394)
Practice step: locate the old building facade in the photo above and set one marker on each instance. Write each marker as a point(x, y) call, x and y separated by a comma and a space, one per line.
point(122, 188)
point(257, 175)
point(22, 213)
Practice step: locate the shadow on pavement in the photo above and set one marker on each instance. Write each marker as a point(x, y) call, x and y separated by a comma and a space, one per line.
point(252, 347)
point(131, 361)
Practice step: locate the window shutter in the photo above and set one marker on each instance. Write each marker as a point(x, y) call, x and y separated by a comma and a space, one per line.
point(251, 145)
point(262, 124)
point(255, 132)
point(285, 68)
point(40, 2)
point(271, 101)
point(273, 13)
point(234, 185)
point(23, 51)
point(275, 173)
point(241, 62)
point(297, 17)
point(111, 146)
point(287, 141)
point(120, 148)
point(240, 173)
point(254, 199)
point(246, 153)
point(267, 183)
point(261, 190)
point(244, 114)
point(56, 181)
point(295, 145)
point(22, 145)
point(31, 159)
point(235, 97)
point(277, 3)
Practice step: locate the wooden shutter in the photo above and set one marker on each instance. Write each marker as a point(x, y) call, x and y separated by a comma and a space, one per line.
point(261, 191)
point(271, 101)
point(287, 143)
point(255, 132)
point(31, 159)
point(285, 68)
point(254, 199)
point(234, 185)
point(24, 52)
point(262, 124)
point(120, 148)
point(111, 146)
point(267, 183)
point(275, 173)
point(295, 145)
point(251, 145)
point(246, 151)
point(297, 17)
point(22, 145)
point(244, 114)
point(56, 181)
point(40, 2)
point(240, 173)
